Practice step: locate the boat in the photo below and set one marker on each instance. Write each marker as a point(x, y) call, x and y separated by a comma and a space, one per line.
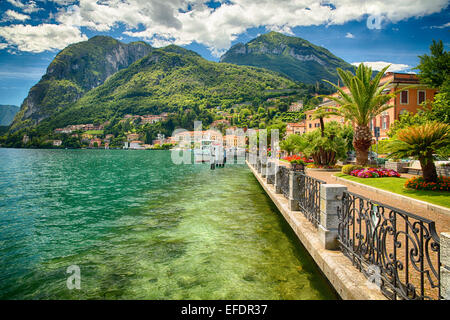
point(202, 153)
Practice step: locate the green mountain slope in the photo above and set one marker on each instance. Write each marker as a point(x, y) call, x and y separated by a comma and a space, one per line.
point(7, 113)
point(74, 71)
point(295, 57)
point(170, 79)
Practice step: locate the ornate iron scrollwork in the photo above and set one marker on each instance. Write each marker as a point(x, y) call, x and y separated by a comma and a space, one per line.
point(405, 247)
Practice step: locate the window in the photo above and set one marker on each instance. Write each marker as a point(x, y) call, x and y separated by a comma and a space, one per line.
point(404, 97)
point(421, 96)
point(383, 123)
point(310, 125)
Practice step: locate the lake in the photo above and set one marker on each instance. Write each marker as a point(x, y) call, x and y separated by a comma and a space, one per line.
point(140, 227)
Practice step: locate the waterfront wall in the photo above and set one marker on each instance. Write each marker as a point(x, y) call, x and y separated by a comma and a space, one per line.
point(348, 282)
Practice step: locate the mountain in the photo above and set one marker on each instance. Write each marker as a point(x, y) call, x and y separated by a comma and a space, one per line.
point(171, 79)
point(294, 57)
point(7, 113)
point(75, 70)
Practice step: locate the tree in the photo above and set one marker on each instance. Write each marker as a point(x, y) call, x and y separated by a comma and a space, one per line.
point(327, 149)
point(364, 101)
point(434, 69)
point(293, 143)
point(421, 142)
point(322, 113)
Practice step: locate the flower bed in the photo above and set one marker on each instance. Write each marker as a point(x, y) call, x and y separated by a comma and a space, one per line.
point(374, 173)
point(296, 157)
point(419, 183)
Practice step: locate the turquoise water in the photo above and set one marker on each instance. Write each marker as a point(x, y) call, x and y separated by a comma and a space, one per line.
point(140, 227)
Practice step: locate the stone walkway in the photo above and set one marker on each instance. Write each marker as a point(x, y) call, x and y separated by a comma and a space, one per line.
point(442, 220)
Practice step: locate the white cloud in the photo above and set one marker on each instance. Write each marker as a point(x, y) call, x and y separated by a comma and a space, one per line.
point(42, 37)
point(349, 35)
point(446, 25)
point(378, 65)
point(27, 7)
point(3, 46)
point(185, 21)
point(11, 15)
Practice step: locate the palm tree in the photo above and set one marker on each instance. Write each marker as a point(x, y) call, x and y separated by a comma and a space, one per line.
point(322, 113)
point(364, 101)
point(421, 142)
point(293, 143)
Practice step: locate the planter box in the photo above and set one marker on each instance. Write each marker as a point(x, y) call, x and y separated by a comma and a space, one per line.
point(443, 171)
point(400, 167)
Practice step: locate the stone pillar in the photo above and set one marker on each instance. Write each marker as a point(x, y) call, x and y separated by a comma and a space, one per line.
point(294, 193)
point(277, 180)
point(264, 169)
point(270, 172)
point(330, 201)
point(445, 264)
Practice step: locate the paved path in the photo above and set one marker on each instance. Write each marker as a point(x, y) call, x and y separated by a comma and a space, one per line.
point(442, 220)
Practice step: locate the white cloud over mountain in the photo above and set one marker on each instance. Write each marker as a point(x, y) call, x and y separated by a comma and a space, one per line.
point(183, 22)
point(378, 65)
point(42, 37)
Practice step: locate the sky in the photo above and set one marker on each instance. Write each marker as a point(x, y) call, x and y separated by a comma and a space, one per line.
point(376, 32)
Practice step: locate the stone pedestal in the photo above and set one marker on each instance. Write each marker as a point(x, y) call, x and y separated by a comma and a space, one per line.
point(445, 264)
point(277, 183)
point(270, 172)
point(330, 201)
point(294, 192)
point(264, 169)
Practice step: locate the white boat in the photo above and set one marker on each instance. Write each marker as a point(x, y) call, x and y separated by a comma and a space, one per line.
point(202, 153)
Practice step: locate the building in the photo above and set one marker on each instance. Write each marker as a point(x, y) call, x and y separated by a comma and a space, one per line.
point(63, 130)
point(95, 143)
point(150, 119)
point(222, 122)
point(57, 143)
point(233, 140)
point(313, 124)
point(296, 106)
point(295, 128)
point(133, 136)
point(408, 100)
point(137, 145)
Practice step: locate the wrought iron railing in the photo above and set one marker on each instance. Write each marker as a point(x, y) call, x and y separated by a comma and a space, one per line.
point(284, 180)
point(309, 197)
point(397, 250)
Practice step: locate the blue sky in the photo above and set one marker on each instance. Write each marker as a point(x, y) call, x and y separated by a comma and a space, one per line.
point(394, 31)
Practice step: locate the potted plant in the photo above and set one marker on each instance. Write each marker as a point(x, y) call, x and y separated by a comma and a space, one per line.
point(298, 165)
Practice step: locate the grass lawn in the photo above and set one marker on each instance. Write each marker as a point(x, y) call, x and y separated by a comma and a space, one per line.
point(396, 185)
point(94, 132)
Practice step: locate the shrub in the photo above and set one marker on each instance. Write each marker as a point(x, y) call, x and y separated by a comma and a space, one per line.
point(297, 161)
point(374, 173)
point(419, 183)
point(349, 168)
